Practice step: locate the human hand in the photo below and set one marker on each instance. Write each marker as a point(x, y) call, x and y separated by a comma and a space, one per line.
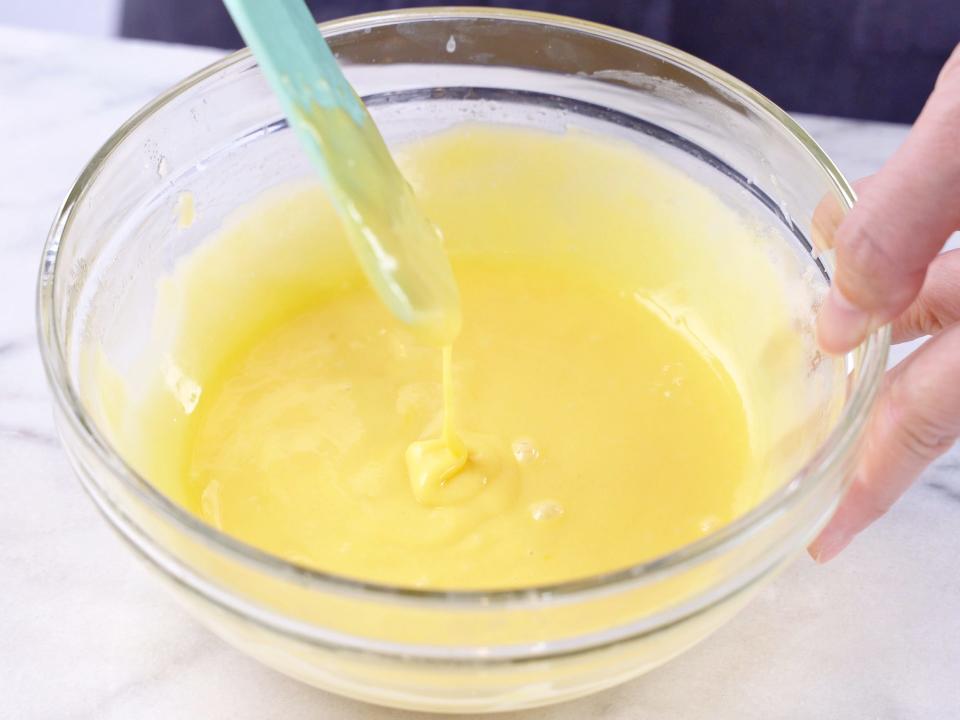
point(889, 270)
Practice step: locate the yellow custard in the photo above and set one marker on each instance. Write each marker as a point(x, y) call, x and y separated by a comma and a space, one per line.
point(612, 399)
point(598, 435)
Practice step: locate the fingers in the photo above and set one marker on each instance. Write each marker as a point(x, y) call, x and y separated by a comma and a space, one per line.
point(937, 305)
point(900, 222)
point(916, 419)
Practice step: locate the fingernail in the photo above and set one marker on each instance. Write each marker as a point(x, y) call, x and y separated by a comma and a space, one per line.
point(841, 325)
point(828, 545)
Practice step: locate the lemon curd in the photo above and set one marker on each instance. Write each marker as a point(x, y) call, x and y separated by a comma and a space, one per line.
point(609, 397)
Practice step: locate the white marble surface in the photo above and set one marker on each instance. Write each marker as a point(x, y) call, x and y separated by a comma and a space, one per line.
point(85, 633)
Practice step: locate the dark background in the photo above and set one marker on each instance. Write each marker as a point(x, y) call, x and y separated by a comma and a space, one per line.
point(875, 59)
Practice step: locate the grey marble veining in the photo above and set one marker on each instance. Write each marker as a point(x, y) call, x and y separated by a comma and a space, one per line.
point(85, 633)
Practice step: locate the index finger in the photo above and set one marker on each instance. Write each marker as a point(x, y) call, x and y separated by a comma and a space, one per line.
point(899, 224)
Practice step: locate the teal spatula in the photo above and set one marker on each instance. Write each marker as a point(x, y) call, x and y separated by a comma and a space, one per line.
point(400, 251)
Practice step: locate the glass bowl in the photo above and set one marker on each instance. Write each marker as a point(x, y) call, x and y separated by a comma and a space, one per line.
point(220, 135)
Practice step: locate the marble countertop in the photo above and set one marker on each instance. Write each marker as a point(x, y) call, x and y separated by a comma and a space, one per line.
point(86, 633)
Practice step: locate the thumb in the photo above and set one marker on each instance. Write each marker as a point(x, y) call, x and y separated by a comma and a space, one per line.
point(899, 224)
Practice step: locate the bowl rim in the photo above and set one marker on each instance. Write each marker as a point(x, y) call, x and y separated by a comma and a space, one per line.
point(829, 455)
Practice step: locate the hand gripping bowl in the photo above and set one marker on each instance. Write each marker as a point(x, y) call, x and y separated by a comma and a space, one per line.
point(220, 134)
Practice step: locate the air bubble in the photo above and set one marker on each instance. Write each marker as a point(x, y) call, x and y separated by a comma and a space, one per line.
point(546, 510)
point(451, 44)
point(525, 451)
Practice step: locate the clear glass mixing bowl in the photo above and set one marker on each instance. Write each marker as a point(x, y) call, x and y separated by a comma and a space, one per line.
point(220, 135)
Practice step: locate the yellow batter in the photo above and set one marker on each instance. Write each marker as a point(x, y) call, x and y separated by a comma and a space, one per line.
point(599, 435)
point(605, 410)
